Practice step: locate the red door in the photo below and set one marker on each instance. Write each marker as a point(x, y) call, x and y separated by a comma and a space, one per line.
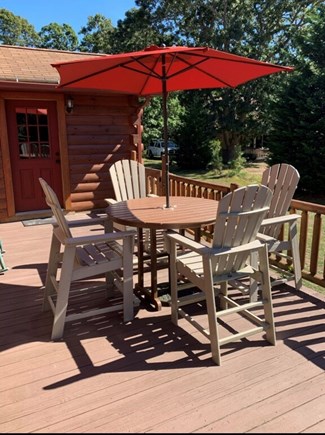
point(34, 152)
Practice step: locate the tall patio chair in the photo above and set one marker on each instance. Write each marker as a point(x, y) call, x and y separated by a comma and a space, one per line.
point(74, 259)
point(128, 179)
point(129, 182)
point(209, 268)
point(279, 229)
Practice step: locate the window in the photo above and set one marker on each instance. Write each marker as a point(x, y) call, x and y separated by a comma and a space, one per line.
point(33, 133)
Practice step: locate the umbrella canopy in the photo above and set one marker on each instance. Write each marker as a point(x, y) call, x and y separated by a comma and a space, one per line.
point(159, 70)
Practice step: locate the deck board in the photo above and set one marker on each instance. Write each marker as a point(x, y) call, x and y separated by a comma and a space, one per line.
point(149, 375)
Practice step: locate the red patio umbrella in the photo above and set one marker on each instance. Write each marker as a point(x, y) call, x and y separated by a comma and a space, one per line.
point(159, 70)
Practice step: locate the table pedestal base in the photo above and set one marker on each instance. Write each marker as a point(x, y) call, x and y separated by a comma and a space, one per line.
point(149, 294)
point(146, 295)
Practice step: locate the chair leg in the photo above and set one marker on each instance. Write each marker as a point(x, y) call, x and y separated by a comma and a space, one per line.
point(266, 294)
point(63, 293)
point(293, 235)
point(173, 282)
point(109, 279)
point(128, 304)
point(53, 265)
point(213, 322)
point(223, 292)
point(253, 287)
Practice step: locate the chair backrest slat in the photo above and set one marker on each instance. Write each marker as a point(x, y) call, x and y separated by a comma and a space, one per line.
point(128, 179)
point(283, 180)
point(53, 202)
point(240, 214)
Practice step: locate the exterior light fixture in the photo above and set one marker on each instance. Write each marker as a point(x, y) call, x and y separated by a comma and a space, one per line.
point(69, 105)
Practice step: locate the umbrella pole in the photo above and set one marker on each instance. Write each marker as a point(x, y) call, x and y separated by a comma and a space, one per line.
point(165, 116)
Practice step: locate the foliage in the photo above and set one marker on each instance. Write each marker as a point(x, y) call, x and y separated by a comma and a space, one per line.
point(135, 32)
point(216, 160)
point(58, 37)
point(262, 30)
point(298, 133)
point(15, 30)
point(153, 121)
point(194, 133)
point(96, 35)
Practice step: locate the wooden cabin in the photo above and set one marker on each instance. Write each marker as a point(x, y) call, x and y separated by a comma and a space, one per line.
point(68, 138)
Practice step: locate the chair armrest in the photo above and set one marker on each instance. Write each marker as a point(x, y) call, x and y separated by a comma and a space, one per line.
point(280, 219)
point(111, 201)
point(84, 240)
point(248, 247)
point(174, 238)
point(211, 252)
point(87, 222)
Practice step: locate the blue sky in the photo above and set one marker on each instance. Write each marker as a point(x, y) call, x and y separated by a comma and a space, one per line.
point(73, 12)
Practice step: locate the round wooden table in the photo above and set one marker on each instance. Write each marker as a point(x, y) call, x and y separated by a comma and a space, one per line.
point(151, 212)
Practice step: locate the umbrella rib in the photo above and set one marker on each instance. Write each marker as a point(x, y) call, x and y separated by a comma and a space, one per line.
point(195, 66)
point(120, 65)
point(243, 60)
point(174, 57)
point(150, 73)
point(205, 58)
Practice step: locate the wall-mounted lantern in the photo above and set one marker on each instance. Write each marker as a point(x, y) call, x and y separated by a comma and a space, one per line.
point(69, 105)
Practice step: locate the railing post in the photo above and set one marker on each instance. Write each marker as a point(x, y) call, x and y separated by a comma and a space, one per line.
point(133, 155)
point(233, 186)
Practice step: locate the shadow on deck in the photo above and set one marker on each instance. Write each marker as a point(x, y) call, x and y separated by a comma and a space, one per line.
point(149, 375)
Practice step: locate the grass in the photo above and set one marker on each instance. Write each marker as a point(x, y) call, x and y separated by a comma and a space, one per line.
point(250, 174)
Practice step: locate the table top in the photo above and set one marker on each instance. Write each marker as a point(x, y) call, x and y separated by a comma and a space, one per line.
point(151, 212)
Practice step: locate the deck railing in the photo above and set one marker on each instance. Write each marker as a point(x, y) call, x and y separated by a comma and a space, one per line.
point(311, 226)
point(311, 240)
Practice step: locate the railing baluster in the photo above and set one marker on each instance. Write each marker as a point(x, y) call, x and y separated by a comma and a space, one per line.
point(303, 238)
point(315, 244)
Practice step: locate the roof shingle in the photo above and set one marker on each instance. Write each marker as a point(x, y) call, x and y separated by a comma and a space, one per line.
point(33, 65)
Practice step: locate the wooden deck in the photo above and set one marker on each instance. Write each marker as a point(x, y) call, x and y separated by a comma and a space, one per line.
point(148, 375)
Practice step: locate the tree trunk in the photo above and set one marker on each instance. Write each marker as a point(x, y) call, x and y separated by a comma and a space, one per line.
point(229, 142)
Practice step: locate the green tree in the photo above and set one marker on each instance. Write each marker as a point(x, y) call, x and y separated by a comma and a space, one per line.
point(135, 32)
point(15, 30)
point(153, 121)
point(298, 134)
point(263, 30)
point(58, 37)
point(96, 35)
point(195, 132)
